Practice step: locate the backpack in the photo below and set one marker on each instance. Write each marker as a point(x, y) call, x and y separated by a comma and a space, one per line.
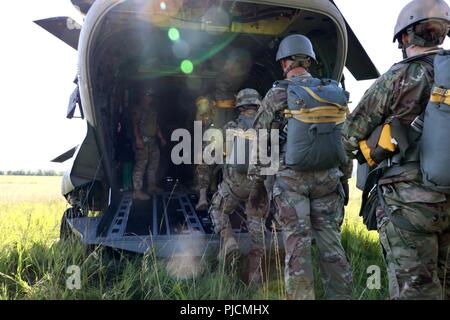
point(434, 145)
point(316, 112)
point(241, 147)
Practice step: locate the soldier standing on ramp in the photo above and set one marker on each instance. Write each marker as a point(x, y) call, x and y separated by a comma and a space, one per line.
point(308, 189)
point(235, 188)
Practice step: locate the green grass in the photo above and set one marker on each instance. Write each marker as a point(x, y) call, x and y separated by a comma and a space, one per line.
point(33, 263)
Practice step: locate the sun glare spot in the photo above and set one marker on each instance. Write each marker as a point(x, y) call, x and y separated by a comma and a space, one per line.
point(174, 34)
point(187, 66)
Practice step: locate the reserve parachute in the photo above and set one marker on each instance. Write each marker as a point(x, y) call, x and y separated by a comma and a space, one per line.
point(435, 146)
point(242, 144)
point(316, 112)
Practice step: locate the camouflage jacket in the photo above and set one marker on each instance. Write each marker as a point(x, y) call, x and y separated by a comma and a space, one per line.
point(271, 116)
point(146, 118)
point(402, 92)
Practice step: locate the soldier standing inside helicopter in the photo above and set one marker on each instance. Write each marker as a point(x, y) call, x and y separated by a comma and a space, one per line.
point(146, 132)
point(204, 171)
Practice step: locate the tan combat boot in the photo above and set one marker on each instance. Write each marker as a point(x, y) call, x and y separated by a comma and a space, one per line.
point(140, 195)
point(202, 204)
point(229, 248)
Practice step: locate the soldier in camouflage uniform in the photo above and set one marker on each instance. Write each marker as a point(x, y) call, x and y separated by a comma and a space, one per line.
point(221, 111)
point(235, 188)
point(146, 131)
point(413, 222)
point(309, 204)
point(203, 171)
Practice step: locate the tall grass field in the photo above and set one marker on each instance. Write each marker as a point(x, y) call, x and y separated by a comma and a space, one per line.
point(34, 264)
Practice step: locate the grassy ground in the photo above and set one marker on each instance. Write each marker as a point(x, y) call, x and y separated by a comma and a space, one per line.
point(33, 263)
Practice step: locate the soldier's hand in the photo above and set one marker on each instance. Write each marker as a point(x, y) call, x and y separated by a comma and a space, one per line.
point(346, 188)
point(255, 178)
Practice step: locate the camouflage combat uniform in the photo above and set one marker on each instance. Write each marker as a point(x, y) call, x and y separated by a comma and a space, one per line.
point(147, 159)
point(309, 206)
point(204, 172)
point(417, 244)
point(235, 188)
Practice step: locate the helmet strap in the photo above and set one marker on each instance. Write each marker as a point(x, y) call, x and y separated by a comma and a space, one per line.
point(405, 54)
point(415, 40)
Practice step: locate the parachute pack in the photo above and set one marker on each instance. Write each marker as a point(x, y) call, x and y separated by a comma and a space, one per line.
point(316, 112)
point(434, 145)
point(239, 158)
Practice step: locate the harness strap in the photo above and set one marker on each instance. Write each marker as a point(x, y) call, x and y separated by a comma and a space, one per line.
point(396, 170)
point(373, 185)
point(225, 104)
point(324, 114)
point(316, 97)
point(440, 95)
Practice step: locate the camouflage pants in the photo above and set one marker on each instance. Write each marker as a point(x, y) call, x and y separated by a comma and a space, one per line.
point(416, 241)
point(204, 173)
point(235, 188)
point(309, 205)
point(147, 162)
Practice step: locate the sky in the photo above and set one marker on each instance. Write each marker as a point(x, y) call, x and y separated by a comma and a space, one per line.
point(37, 72)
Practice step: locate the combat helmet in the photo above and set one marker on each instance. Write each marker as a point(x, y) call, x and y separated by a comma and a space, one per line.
point(418, 11)
point(203, 104)
point(247, 97)
point(295, 45)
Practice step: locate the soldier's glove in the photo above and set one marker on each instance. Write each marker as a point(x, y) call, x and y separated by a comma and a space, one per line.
point(346, 188)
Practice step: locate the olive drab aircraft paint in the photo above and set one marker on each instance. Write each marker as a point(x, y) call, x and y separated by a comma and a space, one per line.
point(181, 49)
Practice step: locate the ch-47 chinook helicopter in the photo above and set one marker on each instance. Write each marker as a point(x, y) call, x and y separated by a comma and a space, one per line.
point(128, 44)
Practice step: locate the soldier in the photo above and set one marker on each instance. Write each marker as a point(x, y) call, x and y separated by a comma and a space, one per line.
point(309, 203)
point(235, 188)
point(413, 220)
point(221, 111)
point(146, 132)
point(204, 172)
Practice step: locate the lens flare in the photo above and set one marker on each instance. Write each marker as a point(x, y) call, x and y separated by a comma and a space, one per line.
point(174, 34)
point(187, 66)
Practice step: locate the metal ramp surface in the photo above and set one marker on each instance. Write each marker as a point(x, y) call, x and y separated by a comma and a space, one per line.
point(168, 222)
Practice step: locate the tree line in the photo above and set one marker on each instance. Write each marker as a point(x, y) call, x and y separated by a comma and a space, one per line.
point(46, 173)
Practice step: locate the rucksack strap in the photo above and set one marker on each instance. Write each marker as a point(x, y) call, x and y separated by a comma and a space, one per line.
point(316, 97)
point(326, 114)
point(440, 95)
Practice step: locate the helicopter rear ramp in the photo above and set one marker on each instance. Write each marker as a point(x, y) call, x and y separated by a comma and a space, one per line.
point(168, 222)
